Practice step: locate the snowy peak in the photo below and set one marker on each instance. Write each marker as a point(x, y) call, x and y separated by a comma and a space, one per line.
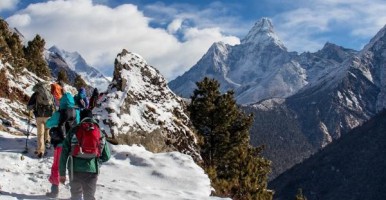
point(334, 52)
point(263, 33)
point(78, 64)
point(218, 48)
point(218, 53)
point(71, 58)
point(377, 41)
point(139, 108)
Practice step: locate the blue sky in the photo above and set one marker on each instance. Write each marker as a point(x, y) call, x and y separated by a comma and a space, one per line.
point(173, 35)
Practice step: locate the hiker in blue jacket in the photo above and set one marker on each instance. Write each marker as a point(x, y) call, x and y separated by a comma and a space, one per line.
point(81, 99)
point(60, 123)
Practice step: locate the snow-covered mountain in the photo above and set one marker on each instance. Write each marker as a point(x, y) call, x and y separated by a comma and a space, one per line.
point(140, 108)
point(260, 67)
point(339, 100)
point(133, 172)
point(58, 59)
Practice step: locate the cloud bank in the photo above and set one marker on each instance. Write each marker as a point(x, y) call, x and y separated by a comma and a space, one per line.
point(350, 23)
point(99, 32)
point(8, 4)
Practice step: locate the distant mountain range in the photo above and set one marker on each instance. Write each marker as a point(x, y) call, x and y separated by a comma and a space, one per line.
point(260, 67)
point(301, 102)
point(297, 126)
point(351, 167)
point(73, 63)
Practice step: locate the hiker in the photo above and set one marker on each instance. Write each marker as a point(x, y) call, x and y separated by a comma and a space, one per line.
point(94, 99)
point(81, 99)
point(85, 149)
point(57, 92)
point(60, 123)
point(42, 104)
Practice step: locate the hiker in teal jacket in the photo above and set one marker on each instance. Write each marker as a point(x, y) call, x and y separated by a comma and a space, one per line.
point(60, 123)
point(83, 172)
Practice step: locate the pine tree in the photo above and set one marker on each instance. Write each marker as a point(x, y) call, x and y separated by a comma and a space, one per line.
point(34, 53)
point(79, 82)
point(236, 169)
point(62, 76)
point(11, 48)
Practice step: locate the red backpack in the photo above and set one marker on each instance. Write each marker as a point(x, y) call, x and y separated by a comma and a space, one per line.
point(87, 142)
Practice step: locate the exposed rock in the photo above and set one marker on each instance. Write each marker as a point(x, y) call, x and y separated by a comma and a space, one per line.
point(139, 108)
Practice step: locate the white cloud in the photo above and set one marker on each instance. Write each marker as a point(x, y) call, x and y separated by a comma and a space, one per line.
point(309, 26)
point(174, 26)
point(8, 4)
point(99, 32)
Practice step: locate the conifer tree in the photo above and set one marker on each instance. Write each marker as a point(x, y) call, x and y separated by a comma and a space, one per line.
point(62, 76)
point(79, 82)
point(235, 167)
point(34, 53)
point(11, 47)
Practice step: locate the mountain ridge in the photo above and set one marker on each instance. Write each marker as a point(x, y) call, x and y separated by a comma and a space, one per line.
point(73, 63)
point(260, 67)
point(344, 97)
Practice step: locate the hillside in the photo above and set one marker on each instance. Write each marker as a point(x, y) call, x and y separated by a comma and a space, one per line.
point(155, 114)
point(131, 173)
point(351, 167)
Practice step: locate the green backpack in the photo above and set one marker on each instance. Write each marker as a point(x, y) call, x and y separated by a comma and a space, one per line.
point(43, 96)
point(44, 106)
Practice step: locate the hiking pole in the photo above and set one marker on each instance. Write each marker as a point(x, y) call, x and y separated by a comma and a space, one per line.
point(28, 132)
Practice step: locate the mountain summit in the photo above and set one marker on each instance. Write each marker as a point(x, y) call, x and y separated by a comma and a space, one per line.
point(263, 33)
point(258, 68)
point(73, 63)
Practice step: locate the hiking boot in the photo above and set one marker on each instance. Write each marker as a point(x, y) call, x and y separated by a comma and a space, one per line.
point(52, 195)
point(40, 155)
point(54, 191)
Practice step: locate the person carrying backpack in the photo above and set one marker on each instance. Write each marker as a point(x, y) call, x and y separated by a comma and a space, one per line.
point(85, 149)
point(60, 123)
point(94, 99)
point(42, 104)
point(81, 99)
point(57, 92)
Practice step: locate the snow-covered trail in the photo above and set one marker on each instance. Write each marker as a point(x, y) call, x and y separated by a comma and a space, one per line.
point(131, 173)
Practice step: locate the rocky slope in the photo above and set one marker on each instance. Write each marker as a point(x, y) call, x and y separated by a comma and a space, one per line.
point(348, 168)
point(139, 108)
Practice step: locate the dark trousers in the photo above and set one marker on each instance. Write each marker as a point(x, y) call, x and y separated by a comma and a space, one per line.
point(83, 183)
